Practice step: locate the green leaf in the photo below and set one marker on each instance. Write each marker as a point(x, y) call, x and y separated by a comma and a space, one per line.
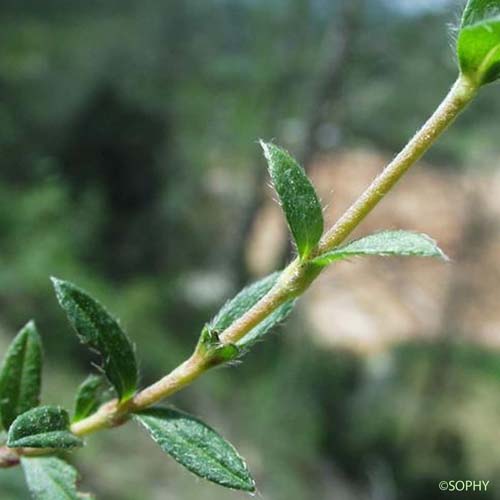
point(88, 397)
point(21, 375)
point(478, 44)
point(386, 243)
point(245, 300)
point(478, 10)
point(99, 330)
point(298, 198)
point(42, 427)
point(197, 447)
point(50, 478)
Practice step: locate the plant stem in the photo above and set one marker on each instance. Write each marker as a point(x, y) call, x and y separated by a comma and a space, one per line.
point(183, 375)
point(295, 279)
point(196, 365)
point(460, 95)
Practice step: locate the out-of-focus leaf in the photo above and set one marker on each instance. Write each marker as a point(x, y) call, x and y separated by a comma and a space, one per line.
point(50, 478)
point(21, 375)
point(298, 198)
point(386, 243)
point(478, 44)
point(99, 330)
point(42, 427)
point(88, 397)
point(197, 447)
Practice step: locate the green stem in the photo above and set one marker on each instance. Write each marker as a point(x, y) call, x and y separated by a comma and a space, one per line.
point(460, 95)
point(295, 279)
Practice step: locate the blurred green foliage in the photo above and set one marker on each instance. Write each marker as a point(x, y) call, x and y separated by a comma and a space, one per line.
point(127, 139)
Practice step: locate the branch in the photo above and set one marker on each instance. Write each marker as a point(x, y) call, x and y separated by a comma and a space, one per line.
point(294, 280)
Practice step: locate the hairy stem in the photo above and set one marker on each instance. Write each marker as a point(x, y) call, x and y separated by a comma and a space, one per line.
point(461, 94)
point(295, 279)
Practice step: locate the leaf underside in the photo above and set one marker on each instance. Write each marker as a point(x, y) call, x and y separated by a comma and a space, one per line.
point(97, 328)
point(386, 243)
point(42, 427)
point(298, 198)
point(21, 374)
point(88, 397)
point(244, 301)
point(197, 447)
point(50, 478)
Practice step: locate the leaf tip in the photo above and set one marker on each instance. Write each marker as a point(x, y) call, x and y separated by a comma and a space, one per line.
point(62, 288)
point(58, 285)
point(437, 251)
point(30, 329)
point(266, 148)
point(31, 324)
point(249, 486)
point(442, 255)
point(57, 282)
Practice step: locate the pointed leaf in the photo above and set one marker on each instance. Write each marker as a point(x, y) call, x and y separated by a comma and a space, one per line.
point(197, 447)
point(387, 243)
point(42, 427)
point(478, 44)
point(99, 330)
point(21, 375)
point(88, 397)
point(245, 300)
point(50, 478)
point(298, 198)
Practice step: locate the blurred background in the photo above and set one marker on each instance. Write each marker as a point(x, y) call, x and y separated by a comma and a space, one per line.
point(130, 165)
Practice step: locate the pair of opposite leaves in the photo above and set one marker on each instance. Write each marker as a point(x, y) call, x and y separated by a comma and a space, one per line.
point(478, 50)
point(186, 439)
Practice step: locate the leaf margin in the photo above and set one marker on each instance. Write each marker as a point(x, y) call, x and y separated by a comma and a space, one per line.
point(125, 384)
point(43, 427)
point(28, 340)
point(65, 467)
point(242, 484)
point(306, 223)
point(355, 248)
